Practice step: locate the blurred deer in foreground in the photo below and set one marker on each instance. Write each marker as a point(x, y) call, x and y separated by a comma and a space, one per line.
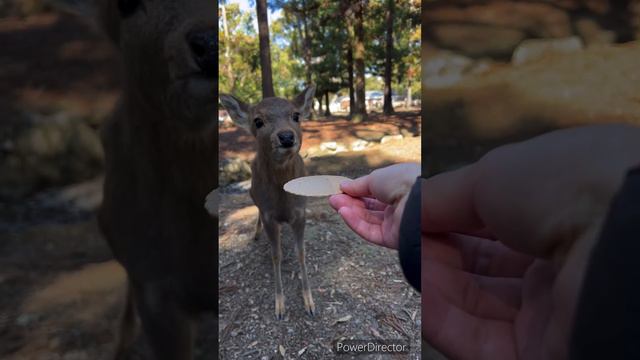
point(161, 150)
point(275, 123)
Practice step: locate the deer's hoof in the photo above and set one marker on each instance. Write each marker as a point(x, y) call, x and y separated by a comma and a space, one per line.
point(309, 306)
point(311, 310)
point(279, 307)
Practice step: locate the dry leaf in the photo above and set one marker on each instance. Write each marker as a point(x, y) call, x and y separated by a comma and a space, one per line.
point(301, 351)
point(343, 319)
point(282, 350)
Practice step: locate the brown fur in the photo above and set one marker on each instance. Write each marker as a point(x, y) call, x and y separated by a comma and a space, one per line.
point(271, 168)
point(161, 151)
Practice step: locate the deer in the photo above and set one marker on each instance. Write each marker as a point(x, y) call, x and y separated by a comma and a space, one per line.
point(161, 153)
point(275, 124)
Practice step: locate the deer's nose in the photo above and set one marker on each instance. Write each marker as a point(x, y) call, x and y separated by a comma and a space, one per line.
point(287, 138)
point(204, 48)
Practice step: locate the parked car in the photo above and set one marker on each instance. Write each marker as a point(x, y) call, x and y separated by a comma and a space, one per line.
point(374, 99)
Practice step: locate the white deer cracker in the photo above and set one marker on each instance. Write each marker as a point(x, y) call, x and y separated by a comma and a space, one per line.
point(319, 185)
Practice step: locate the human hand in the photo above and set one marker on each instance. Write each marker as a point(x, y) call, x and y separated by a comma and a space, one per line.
point(372, 205)
point(544, 201)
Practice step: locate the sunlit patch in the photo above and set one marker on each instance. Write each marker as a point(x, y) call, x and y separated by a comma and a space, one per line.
point(91, 282)
point(244, 213)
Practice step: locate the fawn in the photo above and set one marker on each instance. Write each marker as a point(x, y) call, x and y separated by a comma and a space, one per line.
point(275, 123)
point(161, 153)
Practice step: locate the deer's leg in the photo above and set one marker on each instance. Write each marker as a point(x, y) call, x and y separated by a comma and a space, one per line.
point(298, 233)
point(273, 232)
point(127, 331)
point(256, 237)
point(167, 326)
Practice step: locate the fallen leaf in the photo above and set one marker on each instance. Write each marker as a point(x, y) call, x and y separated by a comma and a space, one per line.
point(343, 319)
point(301, 351)
point(282, 350)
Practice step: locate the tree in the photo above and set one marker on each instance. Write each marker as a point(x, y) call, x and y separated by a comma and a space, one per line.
point(388, 100)
point(228, 67)
point(360, 113)
point(242, 42)
point(352, 91)
point(330, 43)
point(265, 49)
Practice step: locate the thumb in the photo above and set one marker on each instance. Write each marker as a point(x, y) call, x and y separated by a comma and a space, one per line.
point(359, 187)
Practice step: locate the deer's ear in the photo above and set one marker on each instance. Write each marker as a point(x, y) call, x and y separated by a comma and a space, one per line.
point(238, 110)
point(304, 101)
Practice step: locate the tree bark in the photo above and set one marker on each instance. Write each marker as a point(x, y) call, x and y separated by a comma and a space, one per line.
point(352, 99)
point(307, 44)
point(327, 111)
point(265, 54)
point(388, 100)
point(361, 109)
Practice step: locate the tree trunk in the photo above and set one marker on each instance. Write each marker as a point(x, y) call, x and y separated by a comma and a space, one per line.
point(307, 45)
point(352, 99)
point(361, 109)
point(319, 100)
point(327, 111)
point(388, 100)
point(265, 55)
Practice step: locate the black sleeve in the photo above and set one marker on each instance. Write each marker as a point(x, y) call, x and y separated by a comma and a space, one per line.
point(607, 323)
point(410, 240)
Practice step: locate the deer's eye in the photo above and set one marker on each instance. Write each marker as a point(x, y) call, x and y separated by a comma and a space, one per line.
point(128, 7)
point(259, 123)
point(296, 117)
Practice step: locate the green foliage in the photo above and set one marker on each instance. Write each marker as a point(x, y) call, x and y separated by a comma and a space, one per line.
point(311, 38)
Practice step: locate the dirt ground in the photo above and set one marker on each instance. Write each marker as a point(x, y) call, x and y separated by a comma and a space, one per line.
point(359, 289)
point(511, 103)
point(60, 294)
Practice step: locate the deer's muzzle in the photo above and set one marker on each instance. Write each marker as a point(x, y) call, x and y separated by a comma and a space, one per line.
point(287, 138)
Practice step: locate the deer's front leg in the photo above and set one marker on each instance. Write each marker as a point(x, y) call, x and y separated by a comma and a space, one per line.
point(298, 233)
point(258, 232)
point(272, 228)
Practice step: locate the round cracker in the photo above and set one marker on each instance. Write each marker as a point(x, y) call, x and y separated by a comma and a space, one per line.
point(317, 185)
